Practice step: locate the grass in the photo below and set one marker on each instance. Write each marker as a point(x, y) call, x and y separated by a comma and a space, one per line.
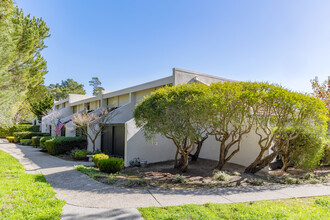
point(304, 208)
point(25, 196)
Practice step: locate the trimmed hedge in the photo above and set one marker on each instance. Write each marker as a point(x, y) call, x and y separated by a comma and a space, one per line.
point(10, 129)
point(36, 141)
point(27, 135)
point(11, 139)
point(43, 140)
point(97, 157)
point(26, 142)
point(61, 145)
point(111, 165)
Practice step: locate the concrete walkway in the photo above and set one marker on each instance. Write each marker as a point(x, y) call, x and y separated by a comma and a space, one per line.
point(89, 199)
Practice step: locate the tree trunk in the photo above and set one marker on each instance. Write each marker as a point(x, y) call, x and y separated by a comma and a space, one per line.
point(286, 164)
point(222, 157)
point(261, 164)
point(199, 147)
point(176, 165)
point(185, 162)
point(255, 162)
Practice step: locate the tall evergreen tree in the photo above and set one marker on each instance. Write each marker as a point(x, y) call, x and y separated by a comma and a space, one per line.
point(21, 65)
point(96, 84)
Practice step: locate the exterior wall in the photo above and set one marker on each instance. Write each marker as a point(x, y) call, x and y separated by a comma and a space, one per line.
point(94, 105)
point(123, 99)
point(185, 76)
point(138, 146)
point(140, 95)
point(112, 102)
point(248, 151)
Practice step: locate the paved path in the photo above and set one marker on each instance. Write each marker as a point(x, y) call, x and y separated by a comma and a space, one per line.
point(89, 199)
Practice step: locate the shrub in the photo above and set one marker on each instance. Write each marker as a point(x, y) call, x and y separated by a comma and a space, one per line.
point(220, 175)
point(179, 179)
point(326, 152)
point(291, 180)
point(8, 130)
point(309, 176)
point(11, 139)
point(43, 140)
point(26, 142)
point(111, 165)
point(79, 154)
point(61, 145)
point(36, 141)
point(98, 157)
point(256, 182)
point(26, 135)
point(305, 151)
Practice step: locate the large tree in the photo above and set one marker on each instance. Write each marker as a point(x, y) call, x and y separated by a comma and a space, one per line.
point(276, 109)
point(66, 87)
point(21, 65)
point(229, 119)
point(40, 107)
point(175, 113)
point(96, 84)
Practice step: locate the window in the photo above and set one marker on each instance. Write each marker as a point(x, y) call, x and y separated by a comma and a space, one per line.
point(75, 109)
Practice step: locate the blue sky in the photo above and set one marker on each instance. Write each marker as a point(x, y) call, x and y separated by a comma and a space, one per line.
point(125, 43)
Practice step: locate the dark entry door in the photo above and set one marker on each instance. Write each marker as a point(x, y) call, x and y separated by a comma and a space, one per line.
point(113, 140)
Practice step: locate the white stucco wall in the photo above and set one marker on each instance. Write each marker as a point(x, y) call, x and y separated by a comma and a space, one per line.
point(248, 151)
point(138, 146)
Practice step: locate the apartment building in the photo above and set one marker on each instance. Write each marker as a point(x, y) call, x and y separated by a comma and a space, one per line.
point(122, 138)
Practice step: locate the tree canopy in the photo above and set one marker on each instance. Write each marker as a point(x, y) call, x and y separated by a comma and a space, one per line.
point(21, 65)
point(174, 113)
point(229, 111)
point(66, 87)
point(96, 84)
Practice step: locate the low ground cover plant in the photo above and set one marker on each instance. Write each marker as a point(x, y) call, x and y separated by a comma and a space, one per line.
point(98, 157)
point(60, 145)
point(304, 208)
point(111, 165)
point(25, 196)
point(77, 154)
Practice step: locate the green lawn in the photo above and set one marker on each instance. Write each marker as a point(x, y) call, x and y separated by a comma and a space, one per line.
point(25, 196)
point(304, 208)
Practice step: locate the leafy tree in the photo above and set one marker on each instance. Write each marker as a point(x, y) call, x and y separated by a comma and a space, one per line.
point(304, 151)
point(96, 84)
point(42, 106)
point(69, 86)
point(93, 124)
point(175, 113)
point(322, 91)
point(21, 65)
point(276, 109)
point(229, 119)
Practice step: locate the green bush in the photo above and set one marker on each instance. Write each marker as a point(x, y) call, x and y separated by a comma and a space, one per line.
point(8, 130)
point(79, 154)
point(36, 141)
point(305, 151)
point(98, 157)
point(26, 135)
point(27, 142)
point(43, 140)
point(60, 145)
point(11, 139)
point(326, 153)
point(111, 165)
